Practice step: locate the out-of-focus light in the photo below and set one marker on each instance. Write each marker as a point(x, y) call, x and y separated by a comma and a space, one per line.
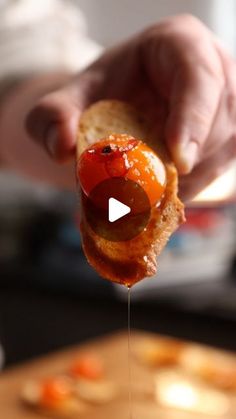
point(222, 189)
point(179, 394)
point(174, 391)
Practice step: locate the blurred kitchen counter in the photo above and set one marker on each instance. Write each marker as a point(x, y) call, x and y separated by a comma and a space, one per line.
point(148, 383)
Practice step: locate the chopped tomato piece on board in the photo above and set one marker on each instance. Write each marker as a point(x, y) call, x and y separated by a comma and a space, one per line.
point(87, 366)
point(54, 391)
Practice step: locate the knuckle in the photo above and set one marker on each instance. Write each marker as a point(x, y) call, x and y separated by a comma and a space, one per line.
point(174, 25)
point(188, 19)
point(199, 115)
point(213, 70)
point(186, 49)
point(198, 65)
point(179, 22)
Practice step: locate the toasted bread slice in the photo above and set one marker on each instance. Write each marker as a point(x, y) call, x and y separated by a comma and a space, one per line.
point(130, 261)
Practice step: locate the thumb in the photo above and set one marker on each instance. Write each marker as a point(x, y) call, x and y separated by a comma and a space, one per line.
point(53, 123)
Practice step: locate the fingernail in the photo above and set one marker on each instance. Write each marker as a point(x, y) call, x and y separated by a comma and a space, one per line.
point(188, 154)
point(51, 140)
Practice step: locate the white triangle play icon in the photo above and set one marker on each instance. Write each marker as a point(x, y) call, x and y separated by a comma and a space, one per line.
point(117, 210)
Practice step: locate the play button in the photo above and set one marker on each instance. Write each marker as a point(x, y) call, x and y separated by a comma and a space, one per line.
point(117, 210)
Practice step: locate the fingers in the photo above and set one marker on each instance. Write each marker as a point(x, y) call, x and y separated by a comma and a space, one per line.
point(186, 68)
point(207, 171)
point(193, 106)
point(53, 124)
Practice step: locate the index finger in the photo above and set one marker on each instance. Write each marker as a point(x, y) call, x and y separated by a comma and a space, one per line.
point(192, 109)
point(184, 66)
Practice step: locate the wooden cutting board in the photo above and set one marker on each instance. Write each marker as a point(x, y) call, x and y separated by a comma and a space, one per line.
point(114, 351)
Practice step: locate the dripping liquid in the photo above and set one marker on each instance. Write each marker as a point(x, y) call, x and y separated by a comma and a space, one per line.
point(129, 359)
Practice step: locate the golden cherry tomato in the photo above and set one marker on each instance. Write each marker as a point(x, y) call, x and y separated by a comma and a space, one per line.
point(121, 155)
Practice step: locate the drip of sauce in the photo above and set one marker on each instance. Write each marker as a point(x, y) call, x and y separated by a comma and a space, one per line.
point(129, 356)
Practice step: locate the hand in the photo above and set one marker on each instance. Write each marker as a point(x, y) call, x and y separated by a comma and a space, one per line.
point(179, 73)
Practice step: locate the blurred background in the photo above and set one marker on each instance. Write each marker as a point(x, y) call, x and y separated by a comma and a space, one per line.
point(49, 296)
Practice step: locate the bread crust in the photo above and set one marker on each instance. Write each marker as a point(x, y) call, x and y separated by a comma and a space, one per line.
point(130, 261)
